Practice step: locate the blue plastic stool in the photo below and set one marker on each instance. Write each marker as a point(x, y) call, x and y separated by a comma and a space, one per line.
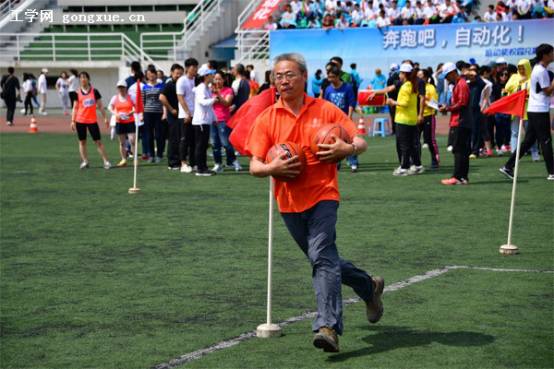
point(379, 127)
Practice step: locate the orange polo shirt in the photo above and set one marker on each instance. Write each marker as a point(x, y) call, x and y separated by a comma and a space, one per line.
point(277, 124)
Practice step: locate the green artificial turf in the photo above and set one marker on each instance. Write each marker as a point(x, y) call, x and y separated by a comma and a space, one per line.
point(92, 277)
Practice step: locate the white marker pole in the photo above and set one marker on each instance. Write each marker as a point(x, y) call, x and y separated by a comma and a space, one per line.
point(135, 189)
point(268, 329)
point(509, 249)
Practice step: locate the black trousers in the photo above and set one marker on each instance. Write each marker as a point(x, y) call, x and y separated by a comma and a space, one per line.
point(189, 145)
point(176, 129)
point(406, 139)
point(476, 138)
point(538, 129)
point(29, 103)
point(202, 138)
point(428, 130)
point(461, 147)
point(10, 106)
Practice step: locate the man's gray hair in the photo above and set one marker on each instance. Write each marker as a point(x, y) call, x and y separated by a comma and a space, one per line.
point(292, 57)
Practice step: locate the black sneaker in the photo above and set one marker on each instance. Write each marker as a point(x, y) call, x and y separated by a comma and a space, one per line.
point(507, 172)
point(205, 173)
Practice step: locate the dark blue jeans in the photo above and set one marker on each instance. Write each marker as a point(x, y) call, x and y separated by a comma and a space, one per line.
point(314, 231)
point(220, 138)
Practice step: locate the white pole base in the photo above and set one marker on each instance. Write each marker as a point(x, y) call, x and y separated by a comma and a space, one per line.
point(268, 330)
point(509, 250)
point(134, 190)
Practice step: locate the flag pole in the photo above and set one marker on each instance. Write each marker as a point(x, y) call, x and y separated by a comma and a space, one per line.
point(135, 189)
point(509, 248)
point(268, 329)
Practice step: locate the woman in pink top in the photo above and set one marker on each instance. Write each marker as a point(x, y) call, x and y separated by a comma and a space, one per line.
point(219, 131)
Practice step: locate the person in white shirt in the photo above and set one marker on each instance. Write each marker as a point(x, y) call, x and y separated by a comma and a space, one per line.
point(42, 90)
point(62, 86)
point(185, 95)
point(203, 118)
point(357, 15)
point(382, 20)
point(490, 14)
point(430, 11)
point(28, 94)
point(296, 6)
point(538, 112)
point(288, 18)
point(393, 13)
point(73, 82)
point(407, 13)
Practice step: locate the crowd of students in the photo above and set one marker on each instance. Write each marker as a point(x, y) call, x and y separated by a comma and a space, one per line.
point(193, 105)
point(465, 90)
point(383, 13)
point(183, 111)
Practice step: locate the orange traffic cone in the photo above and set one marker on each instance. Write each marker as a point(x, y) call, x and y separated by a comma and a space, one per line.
point(33, 128)
point(361, 127)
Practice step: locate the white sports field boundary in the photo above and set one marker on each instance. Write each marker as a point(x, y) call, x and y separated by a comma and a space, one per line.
point(186, 358)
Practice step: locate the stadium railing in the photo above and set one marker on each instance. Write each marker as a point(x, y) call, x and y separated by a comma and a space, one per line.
point(170, 45)
point(71, 47)
point(252, 44)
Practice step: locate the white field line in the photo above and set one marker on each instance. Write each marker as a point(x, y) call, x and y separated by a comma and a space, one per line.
point(186, 358)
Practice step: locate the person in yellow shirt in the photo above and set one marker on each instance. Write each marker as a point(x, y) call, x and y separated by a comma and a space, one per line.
point(405, 119)
point(429, 122)
point(517, 82)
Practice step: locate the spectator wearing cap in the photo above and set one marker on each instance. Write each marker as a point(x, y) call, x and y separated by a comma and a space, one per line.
point(42, 90)
point(203, 118)
point(123, 108)
point(405, 118)
point(460, 123)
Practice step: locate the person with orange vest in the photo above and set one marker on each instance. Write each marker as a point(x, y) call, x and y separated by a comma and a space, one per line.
point(123, 108)
point(84, 118)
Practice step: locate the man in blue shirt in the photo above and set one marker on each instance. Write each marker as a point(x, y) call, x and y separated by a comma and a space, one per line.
point(378, 82)
point(341, 95)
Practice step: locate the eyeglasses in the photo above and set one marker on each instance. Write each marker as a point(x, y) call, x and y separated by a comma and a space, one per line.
point(288, 76)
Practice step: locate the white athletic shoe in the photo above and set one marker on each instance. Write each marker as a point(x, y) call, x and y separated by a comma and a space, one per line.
point(424, 146)
point(237, 166)
point(9, 123)
point(449, 148)
point(107, 165)
point(550, 177)
point(416, 169)
point(43, 113)
point(84, 165)
point(218, 168)
point(22, 111)
point(399, 172)
point(185, 168)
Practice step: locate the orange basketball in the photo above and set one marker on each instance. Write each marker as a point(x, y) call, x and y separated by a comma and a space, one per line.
point(325, 136)
point(290, 149)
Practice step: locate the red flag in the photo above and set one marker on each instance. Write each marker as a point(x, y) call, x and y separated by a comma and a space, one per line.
point(139, 103)
point(243, 120)
point(513, 104)
point(261, 14)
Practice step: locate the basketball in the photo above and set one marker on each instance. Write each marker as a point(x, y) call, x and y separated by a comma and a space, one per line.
point(290, 149)
point(325, 136)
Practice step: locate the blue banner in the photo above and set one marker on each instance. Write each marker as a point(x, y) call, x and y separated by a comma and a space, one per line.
point(429, 45)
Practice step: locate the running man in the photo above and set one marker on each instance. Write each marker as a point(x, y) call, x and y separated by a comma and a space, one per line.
point(309, 203)
point(84, 118)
